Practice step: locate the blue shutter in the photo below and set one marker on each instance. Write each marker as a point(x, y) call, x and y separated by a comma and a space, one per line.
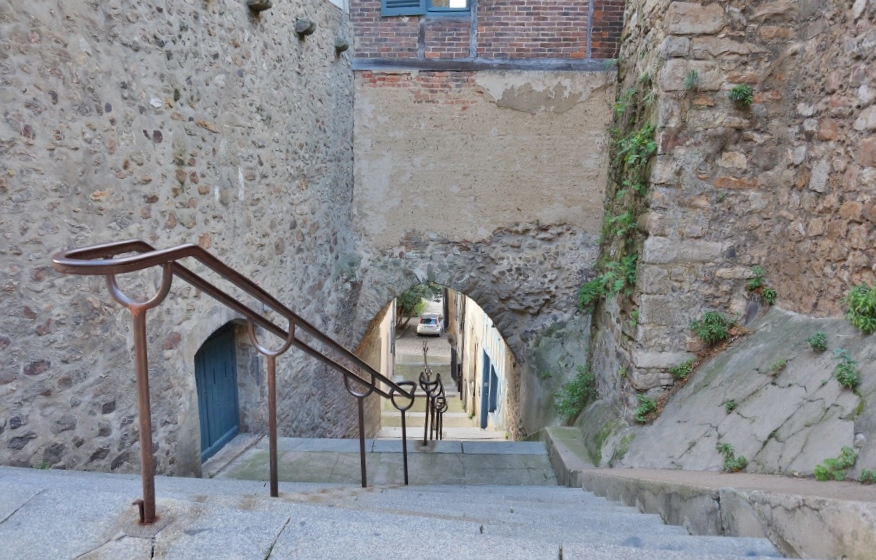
point(402, 7)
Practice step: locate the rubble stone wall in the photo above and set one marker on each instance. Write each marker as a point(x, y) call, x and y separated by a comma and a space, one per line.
point(786, 183)
point(174, 122)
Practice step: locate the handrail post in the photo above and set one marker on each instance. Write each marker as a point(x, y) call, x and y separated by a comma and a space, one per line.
point(404, 446)
point(272, 424)
point(362, 440)
point(271, 355)
point(403, 410)
point(144, 411)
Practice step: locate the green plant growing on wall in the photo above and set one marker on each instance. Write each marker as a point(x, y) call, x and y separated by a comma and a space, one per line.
point(756, 283)
point(646, 406)
point(692, 81)
point(730, 406)
point(867, 476)
point(573, 396)
point(616, 276)
point(818, 342)
point(634, 318)
point(713, 328)
point(861, 307)
point(731, 462)
point(633, 145)
point(682, 370)
point(741, 95)
point(846, 371)
point(778, 366)
point(836, 468)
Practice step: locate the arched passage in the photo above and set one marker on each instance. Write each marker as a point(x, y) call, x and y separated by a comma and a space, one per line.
point(525, 278)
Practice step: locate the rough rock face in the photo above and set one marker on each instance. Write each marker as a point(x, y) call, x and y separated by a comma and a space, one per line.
point(784, 422)
point(173, 122)
point(786, 183)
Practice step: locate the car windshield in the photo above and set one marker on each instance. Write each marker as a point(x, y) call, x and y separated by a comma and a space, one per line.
point(427, 320)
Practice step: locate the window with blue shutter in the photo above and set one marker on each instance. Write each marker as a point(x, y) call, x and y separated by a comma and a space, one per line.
point(420, 7)
point(402, 7)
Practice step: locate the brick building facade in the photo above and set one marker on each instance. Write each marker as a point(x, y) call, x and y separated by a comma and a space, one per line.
point(492, 30)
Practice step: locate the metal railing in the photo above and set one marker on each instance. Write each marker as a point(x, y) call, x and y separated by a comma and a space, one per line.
point(436, 400)
point(107, 260)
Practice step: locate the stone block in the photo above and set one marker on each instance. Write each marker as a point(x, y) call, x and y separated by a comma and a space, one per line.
point(867, 120)
point(654, 280)
point(660, 250)
point(674, 47)
point(658, 360)
point(674, 74)
point(688, 18)
point(820, 172)
point(828, 130)
point(867, 152)
point(773, 9)
point(663, 170)
point(714, 47)
point(668, 310)
point(734, 160)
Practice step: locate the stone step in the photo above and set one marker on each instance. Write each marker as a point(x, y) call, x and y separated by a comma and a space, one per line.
point(67, 514)
point(458, 434)
point(418, 419)
point(440, 539)
point(454, 404)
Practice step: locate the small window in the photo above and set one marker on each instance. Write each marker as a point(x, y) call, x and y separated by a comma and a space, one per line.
point(421, 7)
point(448, 5)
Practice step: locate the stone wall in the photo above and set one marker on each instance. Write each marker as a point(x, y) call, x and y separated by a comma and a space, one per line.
point(786, 183)
point(174, 122)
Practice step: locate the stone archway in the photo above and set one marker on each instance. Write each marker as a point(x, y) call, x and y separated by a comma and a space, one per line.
point(525, 277)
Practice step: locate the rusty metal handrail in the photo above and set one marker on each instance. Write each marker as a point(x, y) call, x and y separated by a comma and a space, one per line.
point(103, 260)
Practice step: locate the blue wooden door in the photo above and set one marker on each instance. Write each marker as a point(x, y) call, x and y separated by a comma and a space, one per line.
point(216, 378)
point(485, 390)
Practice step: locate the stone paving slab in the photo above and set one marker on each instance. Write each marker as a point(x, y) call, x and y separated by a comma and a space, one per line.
point(87, 521)
point(15, 495)
point(218, 532)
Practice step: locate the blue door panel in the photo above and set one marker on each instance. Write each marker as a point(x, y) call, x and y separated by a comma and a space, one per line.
point(485, 390)
point(216, 379)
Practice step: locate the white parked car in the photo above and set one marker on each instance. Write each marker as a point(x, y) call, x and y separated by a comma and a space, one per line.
point(430, 323)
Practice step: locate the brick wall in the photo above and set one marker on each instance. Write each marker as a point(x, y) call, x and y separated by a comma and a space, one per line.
point(447, 38)
point(443, 88)
point(546, 29)
point(505, 29)
point(382, 37)
point(608, 23)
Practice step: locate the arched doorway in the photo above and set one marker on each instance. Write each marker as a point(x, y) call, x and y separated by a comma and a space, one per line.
point(216, 380)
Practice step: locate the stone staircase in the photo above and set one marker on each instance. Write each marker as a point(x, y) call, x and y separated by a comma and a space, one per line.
point(457, 424)
point(467, 498)
point(61, 514)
